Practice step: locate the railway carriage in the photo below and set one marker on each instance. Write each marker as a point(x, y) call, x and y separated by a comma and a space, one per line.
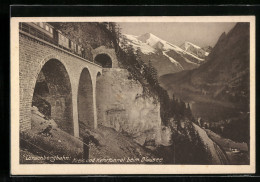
point(47, 32)
point(62, 40)
point(79, 50)
point(43, 27)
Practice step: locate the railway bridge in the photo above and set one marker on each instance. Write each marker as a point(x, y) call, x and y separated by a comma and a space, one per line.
point(59, 82)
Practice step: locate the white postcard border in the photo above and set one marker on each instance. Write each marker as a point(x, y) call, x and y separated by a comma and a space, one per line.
point(83, 169)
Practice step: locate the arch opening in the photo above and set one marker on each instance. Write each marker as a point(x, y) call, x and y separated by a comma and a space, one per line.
point(85, 101)
point(98, 75)
point(52, 95)
point(104, 60)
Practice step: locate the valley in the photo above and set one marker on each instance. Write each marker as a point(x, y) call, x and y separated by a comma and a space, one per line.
point(218, 90)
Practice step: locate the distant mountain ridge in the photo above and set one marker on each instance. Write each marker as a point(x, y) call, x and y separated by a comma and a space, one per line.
point(194, 49)
point(164, 56)
point(225, 75)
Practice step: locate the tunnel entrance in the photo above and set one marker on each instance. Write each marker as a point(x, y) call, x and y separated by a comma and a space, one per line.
point(52, 95)
point(104, 60)
point(85, 101)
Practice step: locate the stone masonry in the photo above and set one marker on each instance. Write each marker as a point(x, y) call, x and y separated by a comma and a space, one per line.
point(33, 54)
point(110, 52)
point(116, 99)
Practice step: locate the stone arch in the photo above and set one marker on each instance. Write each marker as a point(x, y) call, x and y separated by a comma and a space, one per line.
point(104, 60)
point(85, 101)
point(102, 50)
point(56, 101)
point(42, 63)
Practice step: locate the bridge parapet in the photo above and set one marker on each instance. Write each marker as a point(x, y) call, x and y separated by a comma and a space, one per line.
point(40, 36)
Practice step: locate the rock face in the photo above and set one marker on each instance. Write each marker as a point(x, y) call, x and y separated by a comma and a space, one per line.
point(166, 136)
point(121, 105)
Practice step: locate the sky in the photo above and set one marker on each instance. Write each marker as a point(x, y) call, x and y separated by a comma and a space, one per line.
point(201, 34)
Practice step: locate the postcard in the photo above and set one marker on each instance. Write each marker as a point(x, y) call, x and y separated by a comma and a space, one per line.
point(133, 95)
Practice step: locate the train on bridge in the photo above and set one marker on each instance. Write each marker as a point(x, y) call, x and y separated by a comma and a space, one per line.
point(48, 33)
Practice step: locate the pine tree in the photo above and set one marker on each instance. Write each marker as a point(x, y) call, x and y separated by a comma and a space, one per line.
point(188, 112)
point(182, 108)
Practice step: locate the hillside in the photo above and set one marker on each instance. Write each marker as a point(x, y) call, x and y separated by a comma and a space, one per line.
point(164, 56)
point(105, 143)
point(108, 146)
point(224, 78)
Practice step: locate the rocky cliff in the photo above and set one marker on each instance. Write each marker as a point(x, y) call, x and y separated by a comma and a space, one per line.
point(122, 106)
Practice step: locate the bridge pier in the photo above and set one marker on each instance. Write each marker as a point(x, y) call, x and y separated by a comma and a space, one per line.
point(75, 111)
point(94, 101)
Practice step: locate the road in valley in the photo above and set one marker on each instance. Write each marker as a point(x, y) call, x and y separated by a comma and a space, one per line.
point(218, 157)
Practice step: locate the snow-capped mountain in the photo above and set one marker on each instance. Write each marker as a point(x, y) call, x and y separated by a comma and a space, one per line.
point(166, 57)
point(194, 49)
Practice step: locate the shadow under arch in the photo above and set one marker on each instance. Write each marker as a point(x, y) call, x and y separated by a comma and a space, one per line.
point(85, 102)
point(53, 96)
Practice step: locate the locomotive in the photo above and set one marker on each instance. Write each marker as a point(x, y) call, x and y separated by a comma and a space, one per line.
point(48, 33)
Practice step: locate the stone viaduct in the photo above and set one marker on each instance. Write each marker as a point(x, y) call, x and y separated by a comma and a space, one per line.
point(42, 63)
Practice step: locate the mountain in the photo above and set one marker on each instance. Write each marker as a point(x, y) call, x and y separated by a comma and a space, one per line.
point(164, 56)
point(207, 48)
point(194, 49)
point(223, 79)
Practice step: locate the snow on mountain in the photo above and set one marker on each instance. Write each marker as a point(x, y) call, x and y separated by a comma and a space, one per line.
point(149, 43)
point(188, 44)
point(155, 42)
point(135, 42)
point(208, 49)
point(194, 49)
point(161, 52)
point(173, 61)
point(149, 38)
